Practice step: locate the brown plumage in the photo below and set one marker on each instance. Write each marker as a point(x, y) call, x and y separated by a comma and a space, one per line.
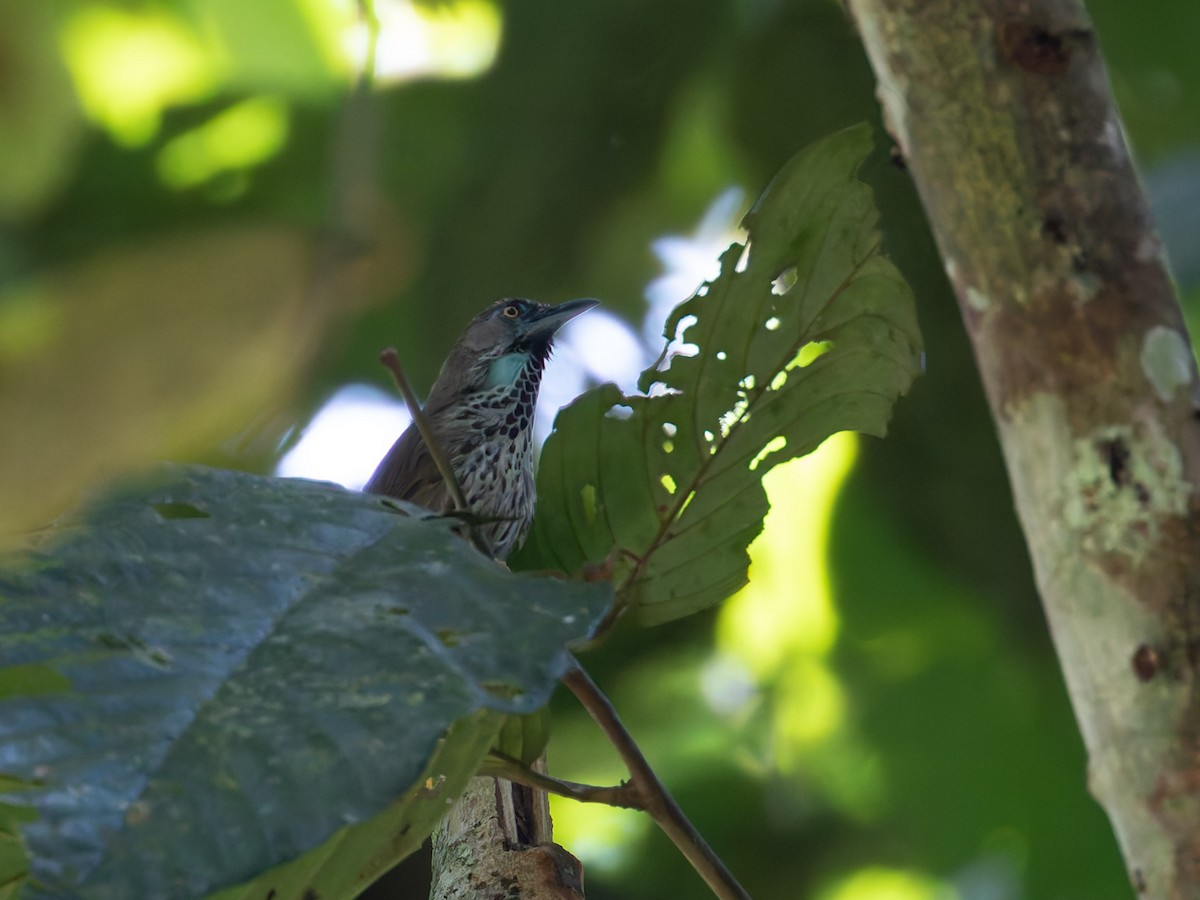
point(481, 411)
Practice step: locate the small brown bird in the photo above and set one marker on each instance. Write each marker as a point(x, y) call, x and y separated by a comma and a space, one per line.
point(481, 411)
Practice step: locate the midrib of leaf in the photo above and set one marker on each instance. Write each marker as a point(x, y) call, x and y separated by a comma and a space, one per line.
point(693, 485)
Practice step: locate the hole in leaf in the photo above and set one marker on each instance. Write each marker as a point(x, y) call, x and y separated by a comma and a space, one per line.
point(669, 429)
point(619, 411)
point(784, 283)
point(721, 355)
point(773, 323)
point(778, 381)
point(747, 383)
point(809, 352)
point(587, 496)
point(744, 259)
point(668, 446)
point(735, 416)
point(658, 389)
point(179, 511)
point(776, 443)
point(679, 345)
point(668, 482)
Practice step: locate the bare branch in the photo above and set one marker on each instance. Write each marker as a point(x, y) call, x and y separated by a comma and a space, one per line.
point(658, 801)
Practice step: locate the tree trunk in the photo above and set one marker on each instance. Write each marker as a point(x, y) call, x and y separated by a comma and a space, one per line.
point(1002, 111)
point(486, 849)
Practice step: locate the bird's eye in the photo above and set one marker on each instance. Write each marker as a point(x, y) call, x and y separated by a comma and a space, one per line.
point(511, 311)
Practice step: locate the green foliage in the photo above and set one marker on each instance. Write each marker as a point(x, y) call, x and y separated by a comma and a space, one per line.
point(227, 670)
point(356, 855)
point(40, 125)
point(205, 327)
point(601, 128)
point(814, 332)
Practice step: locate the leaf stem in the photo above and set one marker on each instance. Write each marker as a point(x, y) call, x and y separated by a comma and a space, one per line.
point(625, 795)
point(391, 361)
point(657, 801)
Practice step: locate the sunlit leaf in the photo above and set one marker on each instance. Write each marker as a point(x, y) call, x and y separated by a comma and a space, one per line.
point(813, 332)
point(137, 354)
point(281, 46)
point(225, 671)
point(40, 122)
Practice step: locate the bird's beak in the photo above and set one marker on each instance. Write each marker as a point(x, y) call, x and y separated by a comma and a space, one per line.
point(547, 322)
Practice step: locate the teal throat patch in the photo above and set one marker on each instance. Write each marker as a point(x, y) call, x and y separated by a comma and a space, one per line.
point(504, 369)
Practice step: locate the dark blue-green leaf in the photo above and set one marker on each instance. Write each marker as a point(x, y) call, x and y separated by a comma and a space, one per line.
point(221, 671)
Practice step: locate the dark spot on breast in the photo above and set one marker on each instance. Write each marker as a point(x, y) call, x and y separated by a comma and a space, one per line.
point(514, 431)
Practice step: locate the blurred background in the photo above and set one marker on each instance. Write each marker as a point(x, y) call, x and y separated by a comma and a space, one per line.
point(207, 234)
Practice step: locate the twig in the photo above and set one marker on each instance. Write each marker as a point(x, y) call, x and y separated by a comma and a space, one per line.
point(624, 795)
point(391, 360)
point(657, 800)
point(370, 17)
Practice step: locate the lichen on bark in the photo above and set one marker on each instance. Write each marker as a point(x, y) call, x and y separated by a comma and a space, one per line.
point(1004, 117)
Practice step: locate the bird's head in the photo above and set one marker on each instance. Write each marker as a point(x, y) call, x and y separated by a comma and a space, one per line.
point(502, 342)
point(511, 333)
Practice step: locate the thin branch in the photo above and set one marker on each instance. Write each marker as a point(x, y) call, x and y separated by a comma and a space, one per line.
point(658, 802)
point(370, 17)
point(625, 795)
point(391, 360)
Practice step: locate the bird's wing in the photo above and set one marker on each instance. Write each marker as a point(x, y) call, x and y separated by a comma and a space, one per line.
point(409, 473)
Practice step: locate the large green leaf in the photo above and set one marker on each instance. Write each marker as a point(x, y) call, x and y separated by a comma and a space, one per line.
point(808, 330)
point(213, 675)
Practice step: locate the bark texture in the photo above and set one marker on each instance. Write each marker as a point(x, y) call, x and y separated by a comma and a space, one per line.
point(477, 854)
point(1002, 111)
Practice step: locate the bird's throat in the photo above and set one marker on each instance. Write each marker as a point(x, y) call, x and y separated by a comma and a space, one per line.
point(504, 370)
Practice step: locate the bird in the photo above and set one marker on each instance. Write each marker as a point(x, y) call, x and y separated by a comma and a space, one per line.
point(480, 411)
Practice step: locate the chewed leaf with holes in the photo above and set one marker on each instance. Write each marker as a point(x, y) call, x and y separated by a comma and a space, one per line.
point(214, 674)
point(808, 330)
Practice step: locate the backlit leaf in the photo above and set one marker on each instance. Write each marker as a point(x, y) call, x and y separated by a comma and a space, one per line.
point(808, 330)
